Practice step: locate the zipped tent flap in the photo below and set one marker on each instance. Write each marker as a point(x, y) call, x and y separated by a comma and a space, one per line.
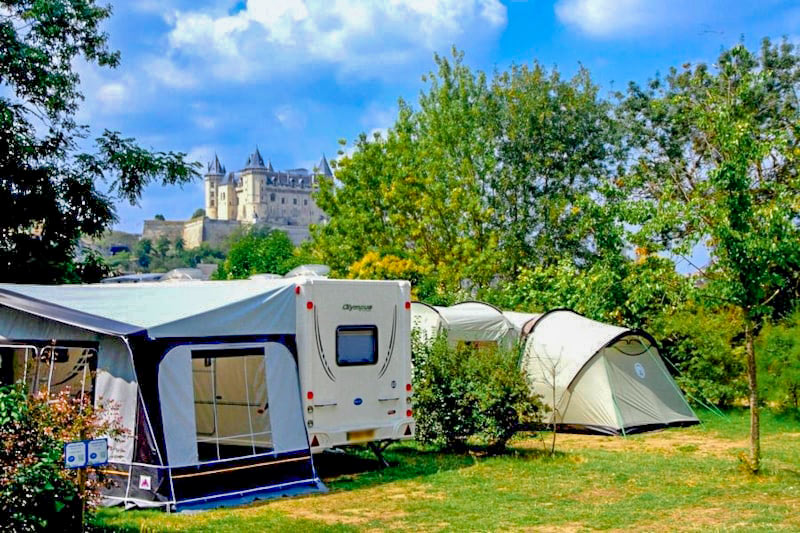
point(476, 321)
point(645, 393)
point(188, 309)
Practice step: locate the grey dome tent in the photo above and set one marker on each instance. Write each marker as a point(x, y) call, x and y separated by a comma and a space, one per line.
point(203, 375)
point(477, 323)
point(600, 378)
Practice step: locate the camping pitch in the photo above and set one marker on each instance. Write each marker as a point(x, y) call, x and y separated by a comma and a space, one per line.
point(600, 378)
point(221, 386)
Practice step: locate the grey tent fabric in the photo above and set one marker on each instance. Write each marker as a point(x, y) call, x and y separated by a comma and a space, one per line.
point(192, 308)
point(474, 322)
point(601, 378)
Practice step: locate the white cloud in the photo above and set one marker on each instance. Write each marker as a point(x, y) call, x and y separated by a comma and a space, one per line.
point(363, 37)
point(112, 95)
point(290, 117)
point(613, 18)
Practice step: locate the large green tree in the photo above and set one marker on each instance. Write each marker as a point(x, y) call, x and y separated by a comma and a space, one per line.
point(51, 192)
point(716, 166)
point(481, 178)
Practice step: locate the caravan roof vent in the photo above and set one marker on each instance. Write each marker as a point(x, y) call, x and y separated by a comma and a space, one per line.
point(312, 271)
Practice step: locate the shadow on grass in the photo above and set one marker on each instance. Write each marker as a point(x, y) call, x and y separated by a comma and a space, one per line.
point(358, 468)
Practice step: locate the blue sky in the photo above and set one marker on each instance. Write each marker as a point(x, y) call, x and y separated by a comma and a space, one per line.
point(294, 76)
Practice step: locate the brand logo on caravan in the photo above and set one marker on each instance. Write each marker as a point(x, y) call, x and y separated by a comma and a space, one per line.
point(355, 307)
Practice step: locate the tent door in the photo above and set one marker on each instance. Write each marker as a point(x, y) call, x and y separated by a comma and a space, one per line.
point(230, 402)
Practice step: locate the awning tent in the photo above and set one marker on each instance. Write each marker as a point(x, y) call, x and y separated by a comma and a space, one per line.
point(202, 376)
point(469, 322)
point(601, 378)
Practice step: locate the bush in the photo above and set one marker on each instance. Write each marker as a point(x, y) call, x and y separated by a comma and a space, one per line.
point(704, 345)
point(36, 492)
point(461, 392)
point(778, 349)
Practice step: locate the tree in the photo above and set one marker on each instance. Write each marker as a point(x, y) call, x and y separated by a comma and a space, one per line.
point(199, 213)
point(259, 251)
point(159, 216)
point(716, 154)
point(481, 179)
point(179, 245)
point(162, 246)
point(48, 187)
point(143, 250)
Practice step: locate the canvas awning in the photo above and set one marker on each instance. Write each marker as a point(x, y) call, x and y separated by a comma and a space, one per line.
point(189, 309)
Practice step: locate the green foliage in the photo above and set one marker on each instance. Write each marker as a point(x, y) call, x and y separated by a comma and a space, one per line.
point(36, 492)
point(159, 216)
point(199, 213)
point(482, 179)
point(778, 346)
point(48, 188)
point(461, 392)
point(705, 345)
point(260, 251)
point(625, 292)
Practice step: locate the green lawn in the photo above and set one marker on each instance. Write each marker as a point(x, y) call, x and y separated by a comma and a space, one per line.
point(681, 479)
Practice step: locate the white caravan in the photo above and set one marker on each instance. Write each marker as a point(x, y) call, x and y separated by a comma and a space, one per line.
point(354, 355)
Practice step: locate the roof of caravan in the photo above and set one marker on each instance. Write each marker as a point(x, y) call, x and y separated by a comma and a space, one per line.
point(569, 340)
point(188, 309)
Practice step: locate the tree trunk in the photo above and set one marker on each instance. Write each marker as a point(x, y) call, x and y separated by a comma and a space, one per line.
point(752, 381)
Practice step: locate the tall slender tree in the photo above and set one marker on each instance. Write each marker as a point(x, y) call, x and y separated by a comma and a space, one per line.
point(716, 166)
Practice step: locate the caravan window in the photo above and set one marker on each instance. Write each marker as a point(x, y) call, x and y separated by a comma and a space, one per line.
point(356, 345)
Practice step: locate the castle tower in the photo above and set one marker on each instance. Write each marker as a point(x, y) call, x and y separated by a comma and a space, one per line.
point(253, 176)
point(213, 177)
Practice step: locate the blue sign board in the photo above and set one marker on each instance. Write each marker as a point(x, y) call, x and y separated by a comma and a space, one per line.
point(83, 453)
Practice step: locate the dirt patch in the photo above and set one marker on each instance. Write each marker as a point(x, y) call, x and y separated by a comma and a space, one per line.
point(695, 518)
point(571, 527)
point(667, 442)
point(383, 503)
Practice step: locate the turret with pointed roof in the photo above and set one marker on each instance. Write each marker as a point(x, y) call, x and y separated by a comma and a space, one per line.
point(323, 167)
point(215, 168)
point(255, 160)
point(269, 166)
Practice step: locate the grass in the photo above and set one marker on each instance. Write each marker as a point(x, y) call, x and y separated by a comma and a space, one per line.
point(676, 480)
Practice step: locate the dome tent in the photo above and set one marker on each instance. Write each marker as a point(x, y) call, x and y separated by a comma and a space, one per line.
point(600, 378)
point(522, 322)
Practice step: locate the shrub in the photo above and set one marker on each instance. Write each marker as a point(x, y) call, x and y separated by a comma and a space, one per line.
point(36, 492)
point(461, 392)
point(778, 347)
point(704, 345)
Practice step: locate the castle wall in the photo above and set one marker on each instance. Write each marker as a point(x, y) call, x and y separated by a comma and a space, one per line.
point(155, 229)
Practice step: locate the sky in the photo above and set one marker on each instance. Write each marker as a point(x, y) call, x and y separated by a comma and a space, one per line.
point(294, 76)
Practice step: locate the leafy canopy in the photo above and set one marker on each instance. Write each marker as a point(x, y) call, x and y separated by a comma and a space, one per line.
point(51, 192)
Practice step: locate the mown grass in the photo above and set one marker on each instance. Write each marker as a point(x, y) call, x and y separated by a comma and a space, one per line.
point(680, 479)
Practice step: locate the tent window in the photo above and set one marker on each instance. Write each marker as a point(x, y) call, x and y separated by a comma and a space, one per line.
point(230, 403)
point(356, 345)
point(51, 369)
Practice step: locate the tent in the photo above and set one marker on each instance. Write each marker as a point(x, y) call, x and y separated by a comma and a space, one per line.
point(477, 323)
point(201, 375)
point(600, 378)
point(522, 322)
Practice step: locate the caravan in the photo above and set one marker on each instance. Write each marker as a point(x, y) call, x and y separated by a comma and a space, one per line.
point(224, 388)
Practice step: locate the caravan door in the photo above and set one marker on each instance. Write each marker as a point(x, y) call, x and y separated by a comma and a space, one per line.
point(354, 352)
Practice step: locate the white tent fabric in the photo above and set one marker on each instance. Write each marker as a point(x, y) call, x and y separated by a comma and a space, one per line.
point(464, 322)
point(522, 322)
point(188, 309)
point(601, 377)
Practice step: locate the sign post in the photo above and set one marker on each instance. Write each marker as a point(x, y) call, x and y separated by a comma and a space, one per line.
point(80, 454)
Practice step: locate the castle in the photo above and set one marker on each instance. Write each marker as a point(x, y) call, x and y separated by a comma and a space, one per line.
point(257, 194)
